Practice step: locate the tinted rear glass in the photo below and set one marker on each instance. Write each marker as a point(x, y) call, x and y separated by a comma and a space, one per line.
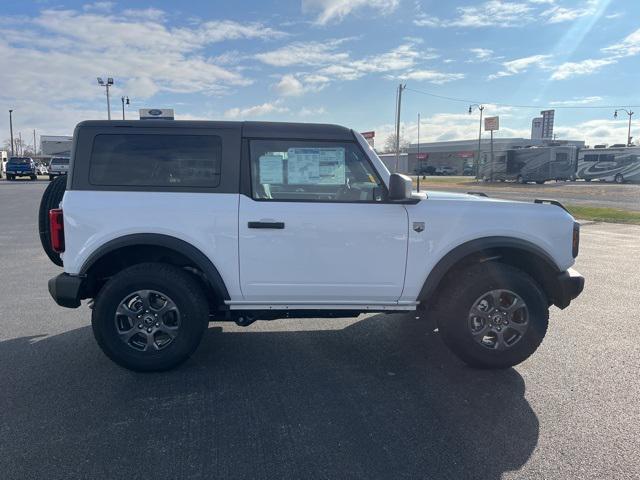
point(60, 161)
point(156, 160)
point(19, 161)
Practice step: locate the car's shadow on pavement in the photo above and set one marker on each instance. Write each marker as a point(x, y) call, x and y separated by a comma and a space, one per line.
point(381, 398)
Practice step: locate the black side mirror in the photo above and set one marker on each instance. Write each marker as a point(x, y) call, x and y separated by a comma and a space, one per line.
point(400, 187)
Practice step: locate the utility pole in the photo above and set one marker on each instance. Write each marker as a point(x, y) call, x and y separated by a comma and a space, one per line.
point(630, 114)
point(418, 161)
point(35, 148)
point(401, 87)
point(11, 129)
point(21, 147)
point(481, 108)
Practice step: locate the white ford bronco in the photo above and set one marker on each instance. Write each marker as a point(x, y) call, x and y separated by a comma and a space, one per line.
point(168, 225)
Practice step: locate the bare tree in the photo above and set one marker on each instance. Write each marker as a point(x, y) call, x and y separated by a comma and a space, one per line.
point(390, 144)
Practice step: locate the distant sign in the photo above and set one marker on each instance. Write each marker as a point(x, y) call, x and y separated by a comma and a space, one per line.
point(465, 154)
point(422, 156)
point(156, 113)
point(369, 137)
point(547, 123)
point(491, 123)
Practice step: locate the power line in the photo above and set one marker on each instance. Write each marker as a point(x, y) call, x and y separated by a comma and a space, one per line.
point(542, 107)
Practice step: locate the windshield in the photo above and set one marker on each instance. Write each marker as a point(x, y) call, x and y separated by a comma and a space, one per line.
point(19, 161)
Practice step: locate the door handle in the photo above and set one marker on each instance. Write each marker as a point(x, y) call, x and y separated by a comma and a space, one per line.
point(273, 225)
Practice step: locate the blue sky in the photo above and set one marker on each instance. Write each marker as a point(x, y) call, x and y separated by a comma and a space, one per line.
point(333, 61)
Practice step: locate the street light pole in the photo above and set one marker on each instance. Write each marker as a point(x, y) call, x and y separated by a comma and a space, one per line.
point(11, 130)
point(481, 108)
point(418, 160)
point(107, 84)
point(630, 114)
point(123, 99)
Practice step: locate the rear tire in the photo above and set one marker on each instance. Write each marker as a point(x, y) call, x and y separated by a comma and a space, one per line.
point(619, 178)
point(520, 180)
point(10, 177)
point(491, 337)
point(540, 182)
point(51, 198)
point(34, 177)
point(140, 347)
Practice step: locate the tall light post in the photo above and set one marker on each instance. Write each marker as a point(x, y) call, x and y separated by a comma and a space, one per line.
point(11, 130)
point(630, 113)
point(124, 99)
point(418, 160)
point(481, 108)
point(108, 83)
point(401, 87)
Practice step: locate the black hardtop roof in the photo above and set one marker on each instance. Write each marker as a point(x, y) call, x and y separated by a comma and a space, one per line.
point(320, 131)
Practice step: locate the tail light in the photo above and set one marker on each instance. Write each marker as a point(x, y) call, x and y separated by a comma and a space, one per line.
point(56, 229)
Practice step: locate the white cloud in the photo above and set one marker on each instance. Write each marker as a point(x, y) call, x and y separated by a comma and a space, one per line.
point(500, 13)
point(558, 14)
point(577, 101)
point(289, 86)
point(336, 10)
point(520, 65)
point(432, 76)
point(584, 67)
point(305, 53)
point(482, 54)
point(98, 6)
point(597, 131)
point(628, 47)
point(255, 111)
point(334, 64)
point(312, 112)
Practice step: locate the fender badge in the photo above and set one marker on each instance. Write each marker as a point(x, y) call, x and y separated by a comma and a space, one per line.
point(418, 226)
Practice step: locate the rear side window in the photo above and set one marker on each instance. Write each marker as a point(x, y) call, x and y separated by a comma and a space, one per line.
point(156, 160)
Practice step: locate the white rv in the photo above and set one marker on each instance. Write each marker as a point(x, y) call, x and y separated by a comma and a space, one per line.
point(613, 164)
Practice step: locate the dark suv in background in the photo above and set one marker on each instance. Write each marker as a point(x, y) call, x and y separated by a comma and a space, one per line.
point(21, 167)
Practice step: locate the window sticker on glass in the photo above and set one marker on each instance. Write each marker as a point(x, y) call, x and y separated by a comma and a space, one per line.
point(316, 166)
point(271, 170)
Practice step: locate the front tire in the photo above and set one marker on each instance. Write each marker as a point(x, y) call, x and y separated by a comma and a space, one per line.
point(619, 178)
point(492, 315)
point(150, 317)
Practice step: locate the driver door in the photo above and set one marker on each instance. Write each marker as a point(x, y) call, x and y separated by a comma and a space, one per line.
point(317, 228)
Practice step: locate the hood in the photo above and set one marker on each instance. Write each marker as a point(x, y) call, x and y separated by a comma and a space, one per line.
point(439, 195)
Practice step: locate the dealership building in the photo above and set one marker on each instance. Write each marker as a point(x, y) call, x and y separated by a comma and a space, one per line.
point(55, 146)
point(461, 155)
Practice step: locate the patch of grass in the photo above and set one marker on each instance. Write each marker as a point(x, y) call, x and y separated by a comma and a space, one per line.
point(438, 180)
point(604, 214)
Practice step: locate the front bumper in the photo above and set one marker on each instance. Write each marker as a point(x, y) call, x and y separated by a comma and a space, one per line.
point(569, 285)
point(66, 290)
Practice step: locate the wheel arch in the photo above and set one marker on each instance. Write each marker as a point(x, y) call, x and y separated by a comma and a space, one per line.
point(513, 251)
point(139, 248)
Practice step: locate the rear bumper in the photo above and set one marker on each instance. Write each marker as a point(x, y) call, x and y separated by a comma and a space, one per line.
point(569, 285)
point(66, 289)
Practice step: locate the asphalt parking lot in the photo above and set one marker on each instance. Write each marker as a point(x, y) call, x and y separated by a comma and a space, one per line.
point(373, 397)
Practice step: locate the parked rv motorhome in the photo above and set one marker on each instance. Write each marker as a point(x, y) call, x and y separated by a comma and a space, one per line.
point(609, 164)
point(535, 164)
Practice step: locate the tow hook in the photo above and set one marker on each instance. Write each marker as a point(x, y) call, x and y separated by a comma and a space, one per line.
point(245, 320)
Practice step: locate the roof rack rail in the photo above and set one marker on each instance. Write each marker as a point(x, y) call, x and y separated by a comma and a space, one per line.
point(552, 202)
point(479, 194)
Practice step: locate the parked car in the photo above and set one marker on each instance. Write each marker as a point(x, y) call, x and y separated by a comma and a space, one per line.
point(425, 170)
point(41, 169)
point(58, 166)
point(445, 170)
point(21, 167)
point(167, 225)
